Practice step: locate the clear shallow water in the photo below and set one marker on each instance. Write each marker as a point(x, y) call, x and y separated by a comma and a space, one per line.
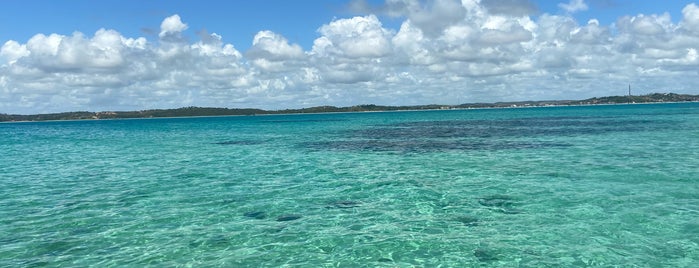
point(536, 187)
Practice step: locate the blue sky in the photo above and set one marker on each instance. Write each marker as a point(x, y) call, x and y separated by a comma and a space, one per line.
point(239, 21)
point(129, 55)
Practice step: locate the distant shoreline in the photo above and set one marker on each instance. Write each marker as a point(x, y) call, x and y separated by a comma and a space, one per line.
point(210, 112)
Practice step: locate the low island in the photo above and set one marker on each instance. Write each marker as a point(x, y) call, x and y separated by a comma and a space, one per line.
point(208, 111)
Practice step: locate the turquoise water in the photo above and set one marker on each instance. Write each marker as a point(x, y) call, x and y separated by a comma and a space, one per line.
point(536, 187)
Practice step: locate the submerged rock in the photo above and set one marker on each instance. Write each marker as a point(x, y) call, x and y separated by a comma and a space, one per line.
point(256, 214)
point(275, 230)
point(468, 220)
point(289, 217)
point(485, 255)
point(500, 203)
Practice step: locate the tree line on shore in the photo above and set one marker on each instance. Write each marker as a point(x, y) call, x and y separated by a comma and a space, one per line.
point(210, 111)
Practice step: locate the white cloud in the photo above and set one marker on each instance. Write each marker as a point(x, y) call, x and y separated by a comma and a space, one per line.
point(477, 53)
point(650, 25)
point(75, 53)
point(690, 18)
point(510, 7)
point(591, 34)
point(412, 45)
point(432, 17)
point(172, 26)
point(272, 46)
point(272, 52)
point(573, 6)
point(437, 16)
point(12, 50)
point(513, 35)
point(358, 37)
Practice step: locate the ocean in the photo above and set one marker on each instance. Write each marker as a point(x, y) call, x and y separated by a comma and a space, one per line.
point(608, 186)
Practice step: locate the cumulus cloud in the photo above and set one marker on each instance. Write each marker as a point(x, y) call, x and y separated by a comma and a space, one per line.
point(432, 17)
point(12, 50)
point(436, 16)
point(74, 53)
point(272, 46)
point(573, 6)
point(271, 51)
point(172, 26)
point(690, 18)
point(358, 37)
point(444, 51)
point(510, 7)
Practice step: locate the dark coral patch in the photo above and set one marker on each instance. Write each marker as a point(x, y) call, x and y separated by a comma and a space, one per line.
point(289, 217)
point(468, 220)
point(256, 214)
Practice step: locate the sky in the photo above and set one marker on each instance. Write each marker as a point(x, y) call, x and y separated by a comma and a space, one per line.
point(81, 55)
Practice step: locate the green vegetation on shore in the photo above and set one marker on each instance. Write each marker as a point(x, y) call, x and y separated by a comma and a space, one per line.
point(204, 111)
